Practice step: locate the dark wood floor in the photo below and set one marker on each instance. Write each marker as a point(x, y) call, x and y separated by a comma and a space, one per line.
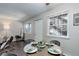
point(16, 48)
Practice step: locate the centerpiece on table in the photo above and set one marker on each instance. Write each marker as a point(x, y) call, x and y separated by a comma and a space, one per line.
point(41, 45)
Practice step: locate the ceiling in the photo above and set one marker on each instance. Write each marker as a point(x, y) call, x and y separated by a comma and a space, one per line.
point(22, 11)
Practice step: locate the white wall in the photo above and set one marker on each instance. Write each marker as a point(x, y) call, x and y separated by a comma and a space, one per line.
point(15, 28)
point(70, 46)
point(32, 34)
point(39, 30)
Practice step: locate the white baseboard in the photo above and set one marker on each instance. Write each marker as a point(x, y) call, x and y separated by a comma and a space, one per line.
point(66, 54)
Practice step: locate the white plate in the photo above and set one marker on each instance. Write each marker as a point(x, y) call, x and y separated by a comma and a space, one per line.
point(54, 50)
point(30, 49)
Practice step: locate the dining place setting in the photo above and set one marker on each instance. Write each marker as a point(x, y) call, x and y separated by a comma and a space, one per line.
point(42, 48)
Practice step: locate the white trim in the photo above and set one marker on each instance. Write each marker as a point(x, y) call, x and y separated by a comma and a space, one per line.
point(54, 35)
point(67, 37)
point(66, 54)
point(25, 28)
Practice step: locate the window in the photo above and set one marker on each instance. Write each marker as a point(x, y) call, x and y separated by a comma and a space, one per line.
point(28, 27)
point(57, 26)
point(76, 19)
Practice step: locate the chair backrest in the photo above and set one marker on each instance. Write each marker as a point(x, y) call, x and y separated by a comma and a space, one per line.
point(55, 42)
point(10, 40)
point(23, 37)
point(17, 36)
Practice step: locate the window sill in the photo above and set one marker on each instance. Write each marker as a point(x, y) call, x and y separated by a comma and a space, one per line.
point(65, 37)
point(28, 32)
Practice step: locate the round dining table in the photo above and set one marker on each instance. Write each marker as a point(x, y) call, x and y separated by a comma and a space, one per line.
point(43, 52)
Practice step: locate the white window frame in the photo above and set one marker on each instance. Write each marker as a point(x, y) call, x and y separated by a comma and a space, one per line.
point(30, 28)
point(48, 21)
